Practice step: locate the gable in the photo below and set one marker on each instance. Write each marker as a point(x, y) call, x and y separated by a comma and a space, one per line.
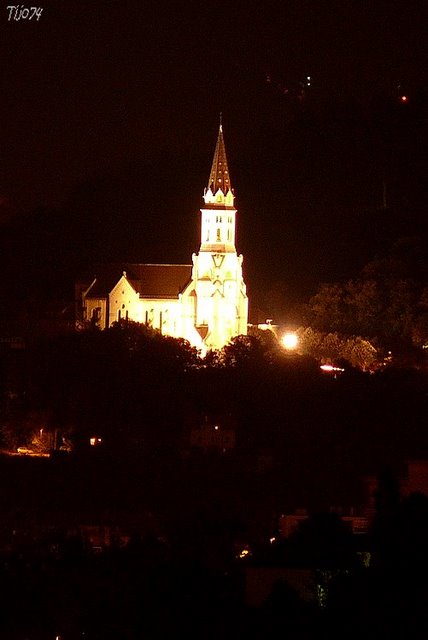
point(123, 286)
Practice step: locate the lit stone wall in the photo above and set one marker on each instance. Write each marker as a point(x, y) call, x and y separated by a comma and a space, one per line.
point(124, 303)
point(221, 301)
point(162, 314)
point(218, 230)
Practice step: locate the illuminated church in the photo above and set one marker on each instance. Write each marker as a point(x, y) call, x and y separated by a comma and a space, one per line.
point(204, 302)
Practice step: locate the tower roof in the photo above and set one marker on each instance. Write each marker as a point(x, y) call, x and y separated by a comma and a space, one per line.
point(219, 176)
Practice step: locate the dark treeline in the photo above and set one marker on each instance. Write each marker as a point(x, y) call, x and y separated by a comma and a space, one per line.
point(386, 302)
point(303, 438)
point(144, 394)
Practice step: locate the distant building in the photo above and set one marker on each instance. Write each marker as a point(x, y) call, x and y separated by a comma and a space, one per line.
point(213, 436)
point(414, 478)
point(410, 477)
point(204, 302)
point(290, 523)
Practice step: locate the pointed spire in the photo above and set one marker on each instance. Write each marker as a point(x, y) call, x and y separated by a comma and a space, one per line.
point(219, 176)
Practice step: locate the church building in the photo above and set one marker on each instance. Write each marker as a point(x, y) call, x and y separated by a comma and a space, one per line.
point(204, 302)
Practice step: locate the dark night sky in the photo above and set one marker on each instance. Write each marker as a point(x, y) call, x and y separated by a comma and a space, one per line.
point(110, 111)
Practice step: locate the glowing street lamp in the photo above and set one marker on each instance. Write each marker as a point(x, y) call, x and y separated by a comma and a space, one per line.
point(290, 340)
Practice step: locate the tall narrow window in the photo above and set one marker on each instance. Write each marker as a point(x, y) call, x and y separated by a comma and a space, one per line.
point(218, 235)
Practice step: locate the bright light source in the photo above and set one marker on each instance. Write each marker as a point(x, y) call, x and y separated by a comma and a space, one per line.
point(290, 340)
point(329, 367)
point(403, 98)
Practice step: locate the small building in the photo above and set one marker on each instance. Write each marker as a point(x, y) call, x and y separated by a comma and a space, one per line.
point(289, 523)
point(212, 437)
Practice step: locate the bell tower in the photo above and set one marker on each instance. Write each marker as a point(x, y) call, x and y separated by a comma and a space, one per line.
point(221, 303)
point(219, 215)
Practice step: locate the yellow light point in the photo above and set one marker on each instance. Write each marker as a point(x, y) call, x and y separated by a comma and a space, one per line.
point(290, 340)
point(329, 367)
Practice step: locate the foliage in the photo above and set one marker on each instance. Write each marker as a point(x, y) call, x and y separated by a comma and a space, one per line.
point(388, 301)
point(113, 380)
point(332, 347)
point(244, 351)
point(323, 541)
